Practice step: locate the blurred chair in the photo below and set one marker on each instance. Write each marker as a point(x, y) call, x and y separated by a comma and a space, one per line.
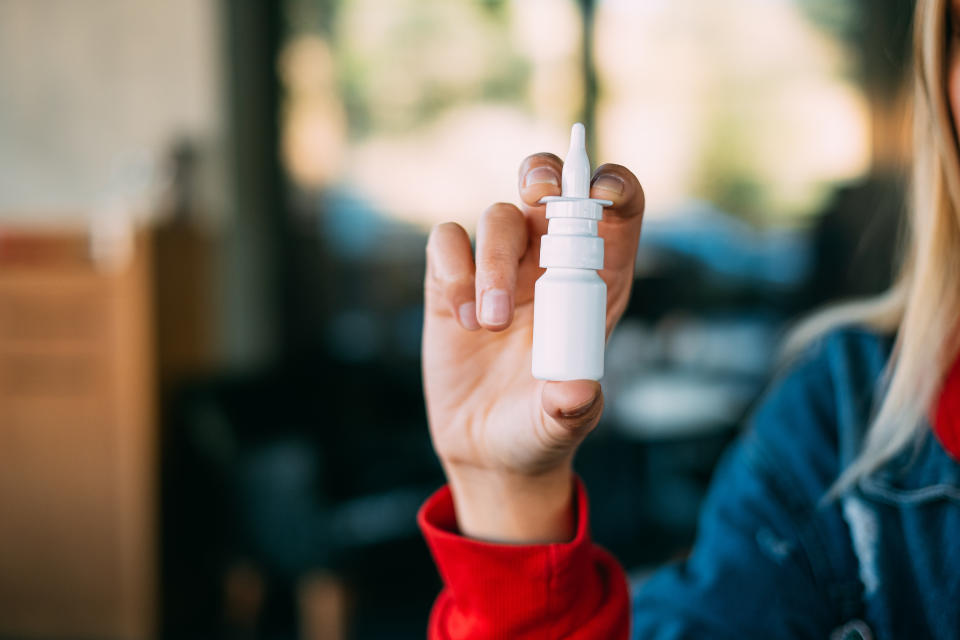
point(303, 482)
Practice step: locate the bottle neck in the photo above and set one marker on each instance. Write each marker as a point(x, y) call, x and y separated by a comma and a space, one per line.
point(572, 273)
point(572, 227)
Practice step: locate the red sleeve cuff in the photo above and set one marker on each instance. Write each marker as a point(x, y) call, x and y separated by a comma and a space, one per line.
point(563, 590)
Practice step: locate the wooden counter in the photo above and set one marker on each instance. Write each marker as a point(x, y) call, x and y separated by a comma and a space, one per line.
point(77, 441)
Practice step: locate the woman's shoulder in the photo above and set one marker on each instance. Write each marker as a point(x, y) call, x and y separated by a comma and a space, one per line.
point(819, 405)
point(852, 354)
point(843, 368)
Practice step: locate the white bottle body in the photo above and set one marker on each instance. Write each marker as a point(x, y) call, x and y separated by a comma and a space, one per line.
point(569, 325)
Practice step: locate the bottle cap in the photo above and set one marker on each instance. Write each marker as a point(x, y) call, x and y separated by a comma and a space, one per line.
point(573, 249)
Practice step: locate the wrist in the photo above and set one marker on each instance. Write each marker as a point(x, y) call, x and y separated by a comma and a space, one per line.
point(513, 508)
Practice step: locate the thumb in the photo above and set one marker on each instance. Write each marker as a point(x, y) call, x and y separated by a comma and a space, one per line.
point(574, 406)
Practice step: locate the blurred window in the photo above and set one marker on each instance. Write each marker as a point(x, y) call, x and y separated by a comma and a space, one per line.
point(423, 109)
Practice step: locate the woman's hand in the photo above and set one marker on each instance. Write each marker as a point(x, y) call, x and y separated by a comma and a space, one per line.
point(505, 439)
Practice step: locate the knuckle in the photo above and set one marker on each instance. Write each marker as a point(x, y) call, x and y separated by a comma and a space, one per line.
point(495, 257)
point(455, 281)
point(451, 286)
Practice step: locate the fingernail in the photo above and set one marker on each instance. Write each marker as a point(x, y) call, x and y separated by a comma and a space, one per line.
point(610, 183)
point(580, 411)
point(468, 316)
point(496, 307)
point(541, 175)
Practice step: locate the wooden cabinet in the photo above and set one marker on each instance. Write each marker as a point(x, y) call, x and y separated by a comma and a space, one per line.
point(77, 441)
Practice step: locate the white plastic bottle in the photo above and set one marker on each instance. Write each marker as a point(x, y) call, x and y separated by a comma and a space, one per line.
point(570, 298)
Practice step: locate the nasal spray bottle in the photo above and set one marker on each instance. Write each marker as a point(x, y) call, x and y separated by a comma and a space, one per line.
point(570, 298)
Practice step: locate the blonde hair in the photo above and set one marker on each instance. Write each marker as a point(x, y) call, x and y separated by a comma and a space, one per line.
point(923, 306)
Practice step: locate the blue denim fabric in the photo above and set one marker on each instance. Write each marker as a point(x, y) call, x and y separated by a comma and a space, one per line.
point(774, 561)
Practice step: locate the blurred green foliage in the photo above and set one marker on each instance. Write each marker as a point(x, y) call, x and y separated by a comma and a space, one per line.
point(402, 63)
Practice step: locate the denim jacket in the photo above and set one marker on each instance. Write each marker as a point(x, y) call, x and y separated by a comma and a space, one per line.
point(772, 560)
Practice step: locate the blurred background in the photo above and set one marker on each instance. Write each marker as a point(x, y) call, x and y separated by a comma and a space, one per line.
point(212, 222)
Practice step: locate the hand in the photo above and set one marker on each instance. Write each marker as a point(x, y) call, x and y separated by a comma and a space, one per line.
point(506, 440)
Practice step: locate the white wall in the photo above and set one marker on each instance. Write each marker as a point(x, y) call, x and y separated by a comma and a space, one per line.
point(85, 85)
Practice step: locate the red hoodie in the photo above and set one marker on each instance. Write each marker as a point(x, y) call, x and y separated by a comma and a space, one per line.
point(572, 590)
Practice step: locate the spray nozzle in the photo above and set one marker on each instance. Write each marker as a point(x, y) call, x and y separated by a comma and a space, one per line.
point(576, 168)
point(575, 182)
